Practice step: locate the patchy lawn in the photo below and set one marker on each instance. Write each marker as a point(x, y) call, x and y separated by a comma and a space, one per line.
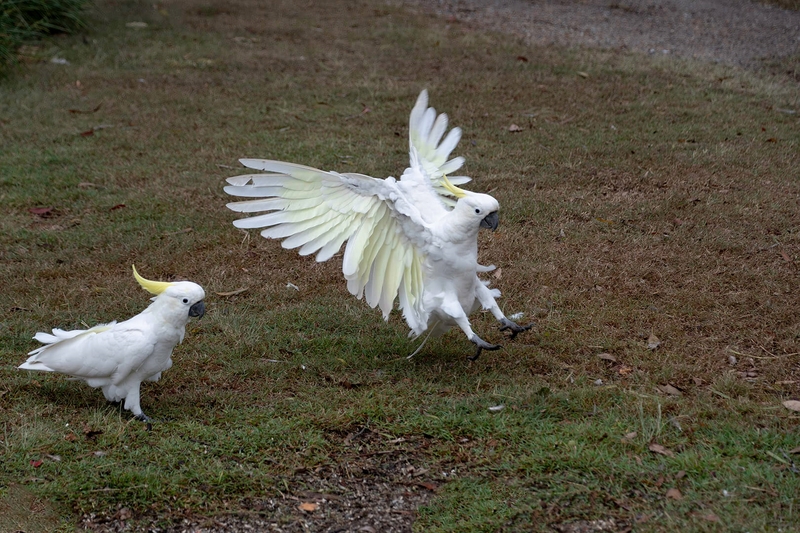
point(650, 225)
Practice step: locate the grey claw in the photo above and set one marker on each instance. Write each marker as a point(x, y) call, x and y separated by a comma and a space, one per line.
point(481, 345)
point(513, 326)
point(146, 419)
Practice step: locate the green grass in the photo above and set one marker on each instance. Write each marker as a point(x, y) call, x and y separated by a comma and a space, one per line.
point(652, 197)
point(27, 22)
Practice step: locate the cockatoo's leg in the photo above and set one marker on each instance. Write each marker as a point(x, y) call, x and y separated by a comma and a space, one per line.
point(454, 310)
point(482, 345)
point(486, 298)
point(132, 404)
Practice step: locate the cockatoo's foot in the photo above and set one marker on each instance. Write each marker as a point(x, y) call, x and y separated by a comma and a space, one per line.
point(482, 345)
point(146, 419)
point(513, 327)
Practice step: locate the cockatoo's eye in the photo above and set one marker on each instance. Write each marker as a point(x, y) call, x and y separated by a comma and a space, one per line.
point(477, 211)
point(186, 300)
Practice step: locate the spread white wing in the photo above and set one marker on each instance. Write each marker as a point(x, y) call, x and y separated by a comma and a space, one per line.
point(317, 211)
point(425, 131)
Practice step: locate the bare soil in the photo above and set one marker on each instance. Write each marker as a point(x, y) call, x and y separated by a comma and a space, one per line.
point(369, 490)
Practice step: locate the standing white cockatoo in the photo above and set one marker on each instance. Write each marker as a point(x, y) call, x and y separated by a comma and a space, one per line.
point(118, 356)
point(406, 238)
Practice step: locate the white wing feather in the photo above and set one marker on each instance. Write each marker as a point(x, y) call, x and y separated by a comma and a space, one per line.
point(318, 211)
point(105, 351)
point(424, 133)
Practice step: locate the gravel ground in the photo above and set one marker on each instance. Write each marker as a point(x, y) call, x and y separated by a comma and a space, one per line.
point(736, 32)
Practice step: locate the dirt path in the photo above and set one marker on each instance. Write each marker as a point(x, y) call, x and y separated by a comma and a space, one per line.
point(738, 32)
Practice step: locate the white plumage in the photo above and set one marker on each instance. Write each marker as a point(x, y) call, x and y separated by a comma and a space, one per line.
point(118, 356)
point(414, 239)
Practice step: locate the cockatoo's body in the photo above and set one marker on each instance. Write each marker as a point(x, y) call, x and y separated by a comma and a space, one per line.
point(406, 238)
point(117, 357)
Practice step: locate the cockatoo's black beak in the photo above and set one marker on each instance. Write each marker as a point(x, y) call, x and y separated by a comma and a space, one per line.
point(491, 221)
point(198, 309)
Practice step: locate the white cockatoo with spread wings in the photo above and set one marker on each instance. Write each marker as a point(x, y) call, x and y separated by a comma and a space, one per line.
point(414, 239)
point(119, 356)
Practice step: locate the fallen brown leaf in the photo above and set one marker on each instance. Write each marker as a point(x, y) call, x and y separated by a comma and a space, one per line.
point(43, 212)
point(657, 448)
point(669, 389)
point(653, 342)
point(90, 433)
point(792, 405)
point(674, 494)
point(795, 450)
point(514, 128)
point(231, 293)
point(710, 516)
point(308, 507)
point(607, 357)
point(80, 111)
point(624, 370)
point(348, 385)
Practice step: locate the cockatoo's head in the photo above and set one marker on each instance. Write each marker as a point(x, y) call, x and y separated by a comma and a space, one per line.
point(482, 208)
point(179, 296)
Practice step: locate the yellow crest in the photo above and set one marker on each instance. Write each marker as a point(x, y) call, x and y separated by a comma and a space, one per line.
point(452, 189)
point(153, 287)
